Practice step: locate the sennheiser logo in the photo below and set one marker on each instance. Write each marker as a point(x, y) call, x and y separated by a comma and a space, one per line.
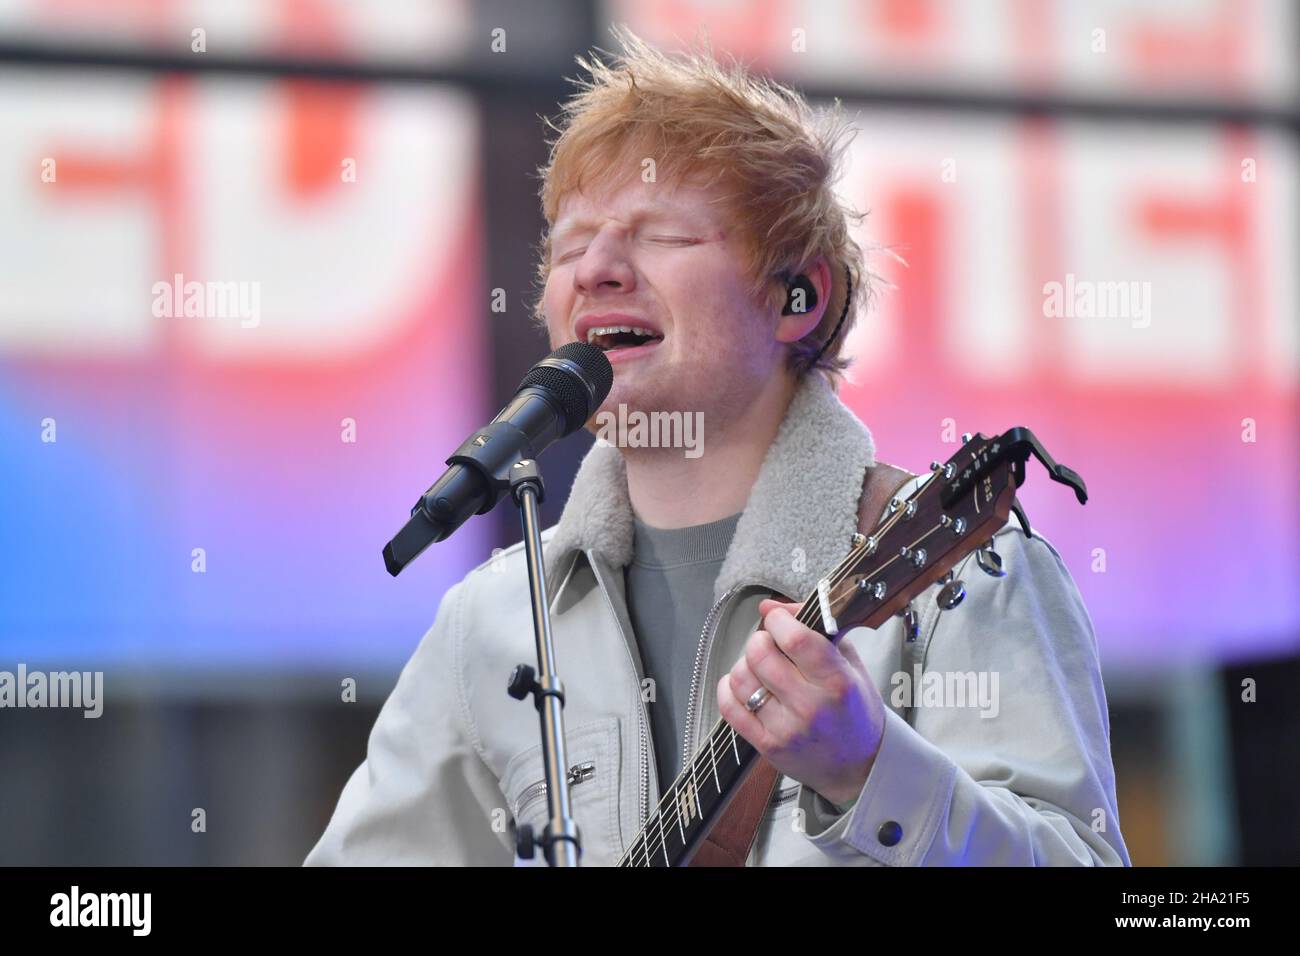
point(102, 909)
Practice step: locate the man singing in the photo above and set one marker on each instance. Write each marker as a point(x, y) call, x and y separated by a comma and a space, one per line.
point(694, 235)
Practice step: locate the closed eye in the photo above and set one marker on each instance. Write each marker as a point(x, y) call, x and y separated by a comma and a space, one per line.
point(668, 240)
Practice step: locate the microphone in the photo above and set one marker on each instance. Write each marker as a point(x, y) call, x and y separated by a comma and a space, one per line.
point(556, 398)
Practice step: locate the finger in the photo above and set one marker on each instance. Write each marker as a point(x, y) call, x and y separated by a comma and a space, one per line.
point(769, 727)
point(813, 655)
point(774, 714)
point(767, 604)
point(850, 653)
point(735, 713)
point(773, 669)
point(743, 681)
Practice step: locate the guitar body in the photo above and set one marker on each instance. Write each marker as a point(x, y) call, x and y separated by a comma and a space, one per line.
point(728, 842)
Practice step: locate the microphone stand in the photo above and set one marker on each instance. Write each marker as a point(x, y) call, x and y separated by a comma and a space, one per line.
point(560, 841)
point(558, 394)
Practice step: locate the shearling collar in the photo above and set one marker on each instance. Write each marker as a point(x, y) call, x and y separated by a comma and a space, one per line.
point(798, 520)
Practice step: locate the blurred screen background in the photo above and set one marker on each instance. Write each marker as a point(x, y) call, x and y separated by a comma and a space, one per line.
point(196, 505)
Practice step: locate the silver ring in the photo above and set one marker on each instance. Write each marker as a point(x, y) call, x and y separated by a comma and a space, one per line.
point(757, 699)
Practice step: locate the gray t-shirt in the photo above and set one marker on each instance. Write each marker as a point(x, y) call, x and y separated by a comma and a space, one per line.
point(669, 594)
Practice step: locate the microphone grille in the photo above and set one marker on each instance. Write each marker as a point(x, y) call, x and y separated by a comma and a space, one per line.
point(579, 376)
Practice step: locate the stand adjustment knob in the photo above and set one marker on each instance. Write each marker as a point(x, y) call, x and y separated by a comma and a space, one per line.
point(525, 842)
point(523, 681)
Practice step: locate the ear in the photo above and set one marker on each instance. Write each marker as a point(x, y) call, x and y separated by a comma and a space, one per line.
point(792, 328)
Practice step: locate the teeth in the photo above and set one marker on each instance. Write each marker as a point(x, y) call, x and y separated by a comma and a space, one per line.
point(611, 329)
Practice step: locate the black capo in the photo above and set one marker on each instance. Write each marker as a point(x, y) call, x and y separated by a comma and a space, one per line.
point(1016, 444)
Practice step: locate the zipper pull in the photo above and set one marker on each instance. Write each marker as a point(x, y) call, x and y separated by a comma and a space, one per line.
point(581, 771)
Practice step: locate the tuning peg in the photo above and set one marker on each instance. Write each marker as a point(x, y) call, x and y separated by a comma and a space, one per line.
point(863, 541)
point(951, 594)
point(911, 623)
point(873, 589)
point(990, 561)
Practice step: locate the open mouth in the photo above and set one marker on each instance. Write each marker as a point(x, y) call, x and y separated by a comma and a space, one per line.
point(614, 338)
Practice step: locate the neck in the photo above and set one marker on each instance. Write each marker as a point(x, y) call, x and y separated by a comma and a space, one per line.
point(669, 490)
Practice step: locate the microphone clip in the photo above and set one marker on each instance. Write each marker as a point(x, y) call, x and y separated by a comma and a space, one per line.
point(491, 452)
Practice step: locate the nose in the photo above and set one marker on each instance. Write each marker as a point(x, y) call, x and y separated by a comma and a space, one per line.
point(604, 265)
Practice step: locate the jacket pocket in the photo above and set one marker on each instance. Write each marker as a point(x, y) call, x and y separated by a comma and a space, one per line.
point(593, 774)
point(536, 792)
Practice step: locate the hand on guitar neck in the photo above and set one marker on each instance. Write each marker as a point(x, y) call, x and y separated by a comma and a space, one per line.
point(824, 718)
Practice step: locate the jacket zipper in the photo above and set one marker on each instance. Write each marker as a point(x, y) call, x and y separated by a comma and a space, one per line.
point(785, 795)
point(576, 775)
point(701, 663)
point(643, 718)
point(697, 672)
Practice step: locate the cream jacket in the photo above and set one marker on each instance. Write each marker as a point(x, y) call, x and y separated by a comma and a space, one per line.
point(1022, 777)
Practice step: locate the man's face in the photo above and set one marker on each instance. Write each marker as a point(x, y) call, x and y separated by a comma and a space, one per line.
point(659, 257)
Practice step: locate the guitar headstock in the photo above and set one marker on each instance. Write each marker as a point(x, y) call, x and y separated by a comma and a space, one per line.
point(921, 538)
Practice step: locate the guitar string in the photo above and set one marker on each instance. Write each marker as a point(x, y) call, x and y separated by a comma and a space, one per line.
point(670, 800)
